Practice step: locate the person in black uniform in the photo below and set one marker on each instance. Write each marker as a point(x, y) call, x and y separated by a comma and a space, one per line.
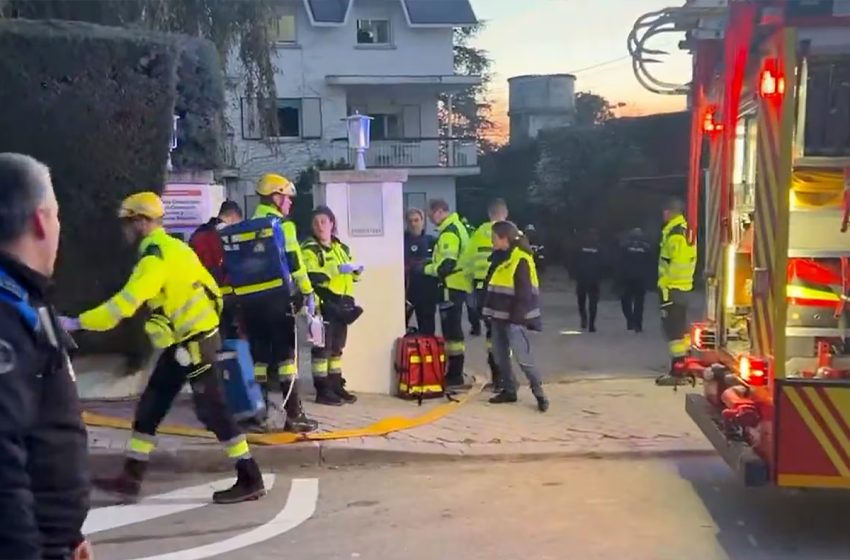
point(588, 275)
point(43, 443)
point(635, 265)
point(422, 291)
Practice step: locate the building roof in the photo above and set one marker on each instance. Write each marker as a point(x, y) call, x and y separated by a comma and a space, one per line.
point(419, 13)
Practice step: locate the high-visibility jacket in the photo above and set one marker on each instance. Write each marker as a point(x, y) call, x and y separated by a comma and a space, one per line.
point(323, 263)
point(677, 259)
point(292, 248)
point(182, 295)
point(478, 253)
point(513, 291)
point(447, 262)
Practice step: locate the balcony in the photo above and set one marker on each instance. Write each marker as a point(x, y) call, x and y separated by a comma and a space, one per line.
point(422, 156)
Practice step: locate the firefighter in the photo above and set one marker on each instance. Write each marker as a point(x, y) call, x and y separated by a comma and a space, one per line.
point(455, 284)
point(676, 266)
point(588, 275)
point(44, 468)
point(185, 304)
point(421, 290)
point(479, 253)
point(511, 303)
point(472, 308)
point(270, 321)
point(634, 266)
point(333, 274)
point(206, 242)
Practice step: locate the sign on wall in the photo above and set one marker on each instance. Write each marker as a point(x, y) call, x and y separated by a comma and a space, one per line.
point(187, 206)
point(366, 210)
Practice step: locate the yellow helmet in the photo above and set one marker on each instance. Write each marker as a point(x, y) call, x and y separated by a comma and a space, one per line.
point(272, 183)
point(143, 204)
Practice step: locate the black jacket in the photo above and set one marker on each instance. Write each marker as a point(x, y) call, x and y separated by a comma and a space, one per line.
point(588, 265)
point(417, 252)
point(636, 263)
point(44, 479)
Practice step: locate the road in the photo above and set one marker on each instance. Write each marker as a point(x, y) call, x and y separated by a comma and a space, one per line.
point(582, 509)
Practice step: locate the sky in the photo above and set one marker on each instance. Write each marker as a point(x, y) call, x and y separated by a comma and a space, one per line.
point(582, 37)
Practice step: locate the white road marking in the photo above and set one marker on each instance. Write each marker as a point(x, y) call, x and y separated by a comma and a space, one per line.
point(153, 507)
point(300, 506)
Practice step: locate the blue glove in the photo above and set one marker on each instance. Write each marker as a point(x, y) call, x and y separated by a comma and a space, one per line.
point(69, 324)
point(347, 268)
point(311, 304)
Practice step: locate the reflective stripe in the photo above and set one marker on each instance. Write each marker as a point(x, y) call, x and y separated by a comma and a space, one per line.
point(320, 368)
point(261, 371)
point(287, 368)
point(257, 288)
point(507, 290)
point(455, 348)
point(188, 327)
point(194, 351)
point(802, 292)
point(489, 312)
point(335, 365)
point(249, 236)
point(199, 371)
point(140, 447)
point(239, 450)
point(226, 290)
point(416, 389)
point(533, 314)
point(113, 309)
point(679, 347)
point(415, 360)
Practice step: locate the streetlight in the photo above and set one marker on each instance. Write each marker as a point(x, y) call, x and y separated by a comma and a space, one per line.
point(358, 136)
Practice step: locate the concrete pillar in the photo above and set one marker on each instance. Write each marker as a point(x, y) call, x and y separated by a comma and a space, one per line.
point(369, 208)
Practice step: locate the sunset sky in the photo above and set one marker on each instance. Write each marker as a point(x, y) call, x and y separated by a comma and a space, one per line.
point(556, 36)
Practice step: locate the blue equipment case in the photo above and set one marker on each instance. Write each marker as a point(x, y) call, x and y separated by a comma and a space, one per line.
point(241, 390)
point(255, 257)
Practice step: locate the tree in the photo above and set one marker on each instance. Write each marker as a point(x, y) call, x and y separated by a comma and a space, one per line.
point(592, 109)
point(470, 114)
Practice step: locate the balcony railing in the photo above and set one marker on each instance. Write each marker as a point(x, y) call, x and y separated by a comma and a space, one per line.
point(450, 153)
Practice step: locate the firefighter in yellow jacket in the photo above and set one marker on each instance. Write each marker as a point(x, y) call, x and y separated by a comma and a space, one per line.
point(270, 321)
point(447, 264)
point(185, 305)
point(676, 266)
point(333, 274)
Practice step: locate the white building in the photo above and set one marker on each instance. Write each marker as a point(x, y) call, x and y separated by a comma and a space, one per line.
point(389, 59)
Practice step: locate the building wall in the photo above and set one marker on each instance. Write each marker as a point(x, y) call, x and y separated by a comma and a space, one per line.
point(419, 190)
point(539, 103)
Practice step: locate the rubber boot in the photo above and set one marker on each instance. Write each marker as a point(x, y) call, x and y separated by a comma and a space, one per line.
point(325, 393)
point(249, 484)
point(337, 383)
point(126, 485)
point(296, 420)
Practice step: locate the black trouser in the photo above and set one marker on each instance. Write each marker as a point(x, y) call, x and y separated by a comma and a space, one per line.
point(425, 310)
point(472, 312)
point(587, 294)
point(451, 320)
point(674, 321)
point(271, 335)
point(194, 362)
point(632, 300)
point(328, 360)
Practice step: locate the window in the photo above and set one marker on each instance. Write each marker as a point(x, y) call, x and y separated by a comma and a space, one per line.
point(827, 133)
point(290, 118)
point(373, 32)
point(283, 30)
point(385, 127)
point(415, 200)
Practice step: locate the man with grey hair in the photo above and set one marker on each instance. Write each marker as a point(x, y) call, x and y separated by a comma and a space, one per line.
point(43, 442)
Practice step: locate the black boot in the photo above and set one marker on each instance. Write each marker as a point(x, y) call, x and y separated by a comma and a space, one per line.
point(504, 397)
point(325, 393)
point(337, 382)
point(296, 420)
point(126, 485)
point(249, 484)
point(542, 404)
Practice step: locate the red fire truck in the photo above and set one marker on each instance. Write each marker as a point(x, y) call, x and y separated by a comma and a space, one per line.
point(769, 190)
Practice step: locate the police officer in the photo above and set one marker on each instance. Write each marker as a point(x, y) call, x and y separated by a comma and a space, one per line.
point(479, 255)
point(270, 320)
point(588, 276)
point(456, 285)
point(333, 274)
point(422, 290)
point(677, 262)
point(44, 463)
point(185, 305)
point(634, 270)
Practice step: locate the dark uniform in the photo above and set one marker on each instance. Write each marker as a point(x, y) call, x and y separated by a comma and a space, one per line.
point(422, 291)
point(635, 263)
point(43, 444)
point(588, 275)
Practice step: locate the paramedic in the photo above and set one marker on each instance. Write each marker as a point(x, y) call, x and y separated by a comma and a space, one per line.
point(455, 285)
point(270, 320)
point(333, 274)
point(676, 266)
point(185, 304)
point(422, 291)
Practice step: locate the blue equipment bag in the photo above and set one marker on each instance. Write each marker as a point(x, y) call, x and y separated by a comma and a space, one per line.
point(255, 257)
point(241, 390)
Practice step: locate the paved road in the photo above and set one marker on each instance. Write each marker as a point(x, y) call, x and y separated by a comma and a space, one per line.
point(557, 510)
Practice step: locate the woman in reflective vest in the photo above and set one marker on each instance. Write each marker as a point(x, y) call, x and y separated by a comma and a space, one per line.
point(511, 303)
point(333, 274)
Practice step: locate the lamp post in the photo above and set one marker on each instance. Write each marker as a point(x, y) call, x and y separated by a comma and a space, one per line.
point(173, 145)
point(359, 136)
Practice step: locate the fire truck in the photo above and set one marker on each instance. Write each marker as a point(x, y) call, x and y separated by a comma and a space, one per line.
point(769, 190)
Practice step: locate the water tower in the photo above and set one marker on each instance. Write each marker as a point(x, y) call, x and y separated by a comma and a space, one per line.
point(539, 102)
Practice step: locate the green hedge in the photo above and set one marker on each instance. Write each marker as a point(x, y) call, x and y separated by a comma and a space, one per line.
point(95, 104)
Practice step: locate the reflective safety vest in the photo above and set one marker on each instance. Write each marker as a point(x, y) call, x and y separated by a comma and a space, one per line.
point(183, 296)
point(323, 266)
point(478, 253)
point(292, 248)
point(447, 262)
point(505, 300)
point(677, 259)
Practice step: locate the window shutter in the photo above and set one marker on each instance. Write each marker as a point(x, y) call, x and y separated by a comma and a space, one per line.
point(311, 117)
point(412, 126)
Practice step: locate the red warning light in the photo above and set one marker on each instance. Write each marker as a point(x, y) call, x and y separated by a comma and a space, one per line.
point(710, 123)
point(771, 81)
